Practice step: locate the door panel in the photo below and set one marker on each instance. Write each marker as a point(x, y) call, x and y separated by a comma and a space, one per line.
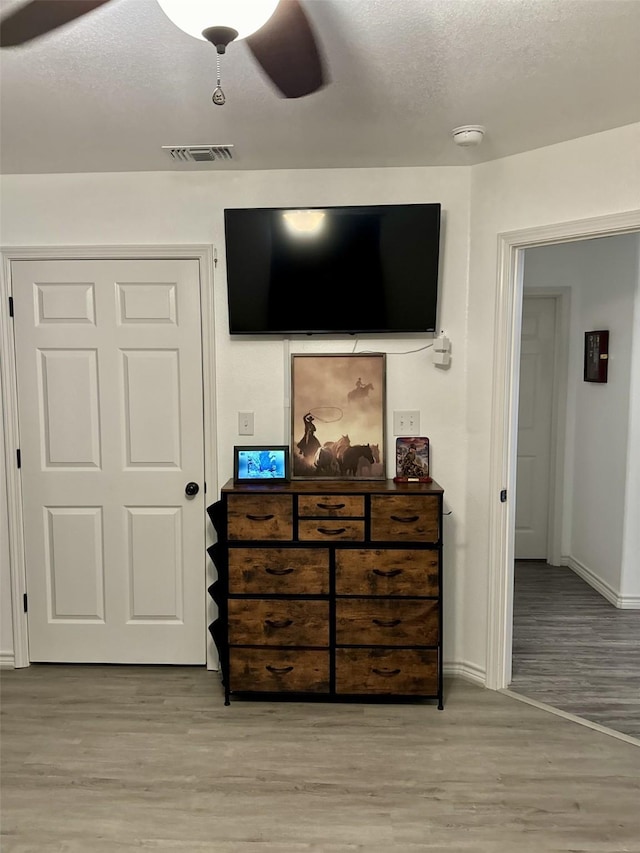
point(65, 303)
point(68, 386)
point(109, 369)
point(154, 563)
point(147, 302)
point(151, 380)
point(75, 568)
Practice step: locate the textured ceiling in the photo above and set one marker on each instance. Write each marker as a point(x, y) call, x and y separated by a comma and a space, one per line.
point(106, 92)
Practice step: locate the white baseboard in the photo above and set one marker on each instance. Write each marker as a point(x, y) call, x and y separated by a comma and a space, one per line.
point(629, 602)
point(466, 670)
point(460, 669)
point(623, 602)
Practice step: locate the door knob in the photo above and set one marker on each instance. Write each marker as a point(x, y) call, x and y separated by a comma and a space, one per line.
point(191, 489)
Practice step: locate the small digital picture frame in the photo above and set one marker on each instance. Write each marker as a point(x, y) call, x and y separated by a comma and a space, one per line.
point(261, 464)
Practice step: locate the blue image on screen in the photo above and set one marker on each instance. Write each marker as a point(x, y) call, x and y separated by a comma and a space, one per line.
point(261, 464)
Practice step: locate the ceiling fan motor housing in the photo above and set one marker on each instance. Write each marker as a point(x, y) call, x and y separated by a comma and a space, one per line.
point(220, 37)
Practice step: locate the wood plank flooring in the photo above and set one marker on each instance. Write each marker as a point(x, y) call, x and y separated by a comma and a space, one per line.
point(100, 759)
point(574, 650)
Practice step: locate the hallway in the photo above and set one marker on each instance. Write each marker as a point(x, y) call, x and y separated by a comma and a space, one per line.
point(574, 650)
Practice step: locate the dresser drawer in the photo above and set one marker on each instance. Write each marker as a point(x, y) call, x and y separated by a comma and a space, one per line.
point(273, 622)
point(331, 506)
point(330, 530)
point(390, 671)
point(387, 572)
point(279, 671)
point(380, 622)
point(404, 518)
point(260, 517)
point(289, 571)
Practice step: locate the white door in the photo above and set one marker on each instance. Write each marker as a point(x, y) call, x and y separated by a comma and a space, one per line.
point(534, 427)
point(109, 372)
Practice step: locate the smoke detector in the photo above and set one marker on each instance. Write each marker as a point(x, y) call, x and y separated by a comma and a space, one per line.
point(199, 153)
point(468, 135)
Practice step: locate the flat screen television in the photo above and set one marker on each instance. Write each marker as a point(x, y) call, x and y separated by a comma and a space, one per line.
point(333, 270)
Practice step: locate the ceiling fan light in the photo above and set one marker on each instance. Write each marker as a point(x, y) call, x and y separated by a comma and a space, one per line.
point(195, 16)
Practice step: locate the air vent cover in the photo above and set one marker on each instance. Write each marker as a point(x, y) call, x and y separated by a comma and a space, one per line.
point(199, 153)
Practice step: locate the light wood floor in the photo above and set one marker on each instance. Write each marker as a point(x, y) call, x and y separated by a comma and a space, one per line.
point(574, 650)
point(98, 759)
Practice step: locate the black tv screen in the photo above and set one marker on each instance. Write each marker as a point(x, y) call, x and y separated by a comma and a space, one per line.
point(332, 270)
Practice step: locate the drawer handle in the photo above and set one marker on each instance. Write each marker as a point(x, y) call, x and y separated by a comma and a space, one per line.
point(386, 623)
point(330, 506)
point(279, 670)
point(278, 623)
point(279, 571)
point(260, 517)
point(408, 520)
point(387, 573)
point(386, 673)
point(330, 532)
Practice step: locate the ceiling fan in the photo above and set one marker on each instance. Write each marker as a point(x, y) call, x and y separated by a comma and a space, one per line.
point(281, 39)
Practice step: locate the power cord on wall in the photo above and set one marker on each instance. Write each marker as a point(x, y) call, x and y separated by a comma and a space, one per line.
point(405, 352)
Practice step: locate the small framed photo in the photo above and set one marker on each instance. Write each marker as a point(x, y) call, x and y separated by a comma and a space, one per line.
point(412, 460)
point(260, 464)
point(596, 355)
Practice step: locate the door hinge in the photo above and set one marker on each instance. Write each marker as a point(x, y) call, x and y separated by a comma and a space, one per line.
point(19, 458)
point(11, 306)
point(205, 487)
point(503, 496)
point(25, 603)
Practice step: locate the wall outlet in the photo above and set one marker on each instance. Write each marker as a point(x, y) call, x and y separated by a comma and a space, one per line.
point(441, 343)
point(245, 423)
point(442, 358)
point(406, 423)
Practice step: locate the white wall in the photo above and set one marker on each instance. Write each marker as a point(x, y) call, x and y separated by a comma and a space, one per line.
point(187, 207)
point(602, 275)
point(588, 177)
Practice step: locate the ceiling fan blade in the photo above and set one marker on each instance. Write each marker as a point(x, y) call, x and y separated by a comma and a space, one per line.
point(287, 51)
point(41, 16)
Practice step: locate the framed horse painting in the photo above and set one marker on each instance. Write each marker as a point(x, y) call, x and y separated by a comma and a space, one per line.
point(337, 416)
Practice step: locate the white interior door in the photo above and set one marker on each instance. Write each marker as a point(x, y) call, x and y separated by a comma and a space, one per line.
point(109, 370)
point(535, 410)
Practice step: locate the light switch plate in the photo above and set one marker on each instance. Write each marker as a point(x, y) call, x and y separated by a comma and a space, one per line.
point(406, 423)
point(245, 423)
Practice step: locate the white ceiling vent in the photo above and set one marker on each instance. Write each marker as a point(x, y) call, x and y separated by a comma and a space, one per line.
point(199, 153)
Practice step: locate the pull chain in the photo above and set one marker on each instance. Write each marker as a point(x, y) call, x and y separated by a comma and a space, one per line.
point(218, 97)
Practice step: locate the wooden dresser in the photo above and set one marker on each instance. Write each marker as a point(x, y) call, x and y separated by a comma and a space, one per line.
point(329, 589)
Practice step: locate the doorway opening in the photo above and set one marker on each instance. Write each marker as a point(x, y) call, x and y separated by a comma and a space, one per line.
point(569, 594)
point(510, 296)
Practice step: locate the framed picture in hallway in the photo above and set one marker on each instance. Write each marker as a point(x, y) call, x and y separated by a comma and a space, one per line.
point(337, 416)
point(596, 356)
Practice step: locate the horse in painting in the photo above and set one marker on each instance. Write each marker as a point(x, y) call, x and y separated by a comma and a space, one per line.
point(352, 457)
